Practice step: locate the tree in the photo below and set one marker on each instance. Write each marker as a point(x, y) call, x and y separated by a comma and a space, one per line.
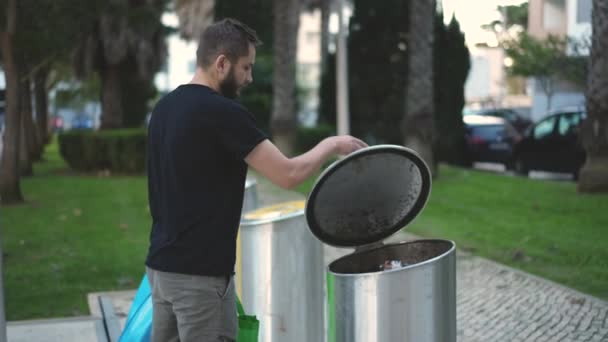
point(10, 190)
point(594, 174)
point(418, 122)
point(284, 117)
point(377, 71)
point(514, 16)
point(541, 59)
point(452, 64)
point(194, 16)
point(125, 31)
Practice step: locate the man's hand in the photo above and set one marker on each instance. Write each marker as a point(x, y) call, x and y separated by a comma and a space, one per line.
point(289, 172)
point(346, 144)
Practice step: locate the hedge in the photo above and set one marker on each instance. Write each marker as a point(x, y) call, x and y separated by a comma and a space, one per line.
point(119, 151)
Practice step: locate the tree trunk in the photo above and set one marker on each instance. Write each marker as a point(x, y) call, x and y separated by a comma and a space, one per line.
point(31, 132)
point(111, 105)
point(10, 190)
point(325, 12)
point(42, 106)
point(284, 117)
point(593, 177)
point(418, 124)
point(27, 145)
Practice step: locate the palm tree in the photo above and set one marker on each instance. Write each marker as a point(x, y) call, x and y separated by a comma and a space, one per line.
point(594, 174)
point(418, 125)
point(194, 16)
point(10, 191)
point(283, 121)
point(125, 31)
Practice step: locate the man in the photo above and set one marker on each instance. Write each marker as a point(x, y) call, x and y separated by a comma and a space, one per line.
point(200, 143)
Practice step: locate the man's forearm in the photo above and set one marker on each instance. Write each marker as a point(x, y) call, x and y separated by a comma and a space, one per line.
point(305, 165)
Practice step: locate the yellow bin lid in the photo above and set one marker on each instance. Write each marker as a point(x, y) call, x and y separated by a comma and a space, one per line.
point(273, 213)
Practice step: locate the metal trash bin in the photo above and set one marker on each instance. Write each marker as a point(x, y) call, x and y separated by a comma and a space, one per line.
point(250, 198)
point(396, 292)
point(281, 273)
point(138, 326)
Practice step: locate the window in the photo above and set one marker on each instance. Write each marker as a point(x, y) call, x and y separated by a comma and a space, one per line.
point(583, 11)
point(568, 123)
point(488, 132)
point(554, 14)
point(544, 128)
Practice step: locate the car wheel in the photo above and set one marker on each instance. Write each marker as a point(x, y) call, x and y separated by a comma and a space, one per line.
point(520, 166)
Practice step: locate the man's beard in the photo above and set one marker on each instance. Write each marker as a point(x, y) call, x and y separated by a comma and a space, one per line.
point(229, 87)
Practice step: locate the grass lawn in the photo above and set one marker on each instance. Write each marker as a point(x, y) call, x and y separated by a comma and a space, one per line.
point(82, 233)
point(74, 235)
point(543, 227)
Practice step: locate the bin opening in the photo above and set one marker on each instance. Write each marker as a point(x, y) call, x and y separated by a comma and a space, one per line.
point(408, 253)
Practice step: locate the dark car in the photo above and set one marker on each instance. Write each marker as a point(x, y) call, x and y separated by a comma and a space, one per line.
point(552, 144)
point(515, 119)
point(489, 139)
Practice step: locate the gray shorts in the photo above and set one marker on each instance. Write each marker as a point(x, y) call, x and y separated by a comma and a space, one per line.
point(192, 308)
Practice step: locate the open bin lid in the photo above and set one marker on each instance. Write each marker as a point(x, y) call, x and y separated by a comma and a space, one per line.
point(368, 196)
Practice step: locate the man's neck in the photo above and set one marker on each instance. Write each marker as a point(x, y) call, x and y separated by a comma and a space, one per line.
point(203, 78)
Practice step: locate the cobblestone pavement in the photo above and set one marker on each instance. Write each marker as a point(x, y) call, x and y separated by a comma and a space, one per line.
point(499, 303)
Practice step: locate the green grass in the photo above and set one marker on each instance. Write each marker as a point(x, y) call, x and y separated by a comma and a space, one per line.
point(74, 235)
point(83, 233)
point(543, 227)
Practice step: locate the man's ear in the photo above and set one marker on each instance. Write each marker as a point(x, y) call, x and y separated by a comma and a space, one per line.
point(222, 64)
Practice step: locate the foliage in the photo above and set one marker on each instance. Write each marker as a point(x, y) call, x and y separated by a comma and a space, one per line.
point(125, 47)
point(516, 15)
point(309, 137)
point(57, 25)
point(377, 46)
point(452, 64)
point(119, 151)
point(378, 74)
point(546, 60)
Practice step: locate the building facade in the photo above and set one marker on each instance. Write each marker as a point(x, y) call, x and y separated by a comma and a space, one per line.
point(565, 18)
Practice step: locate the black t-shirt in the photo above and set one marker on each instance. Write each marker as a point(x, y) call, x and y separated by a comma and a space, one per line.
point(197, 142)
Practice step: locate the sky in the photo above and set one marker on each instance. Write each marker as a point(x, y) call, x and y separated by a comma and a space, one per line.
point(471, 14)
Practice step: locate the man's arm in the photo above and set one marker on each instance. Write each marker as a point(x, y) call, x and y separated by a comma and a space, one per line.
point(287, 173)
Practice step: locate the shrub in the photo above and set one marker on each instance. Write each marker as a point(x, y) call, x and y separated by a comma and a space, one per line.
point(119, 151)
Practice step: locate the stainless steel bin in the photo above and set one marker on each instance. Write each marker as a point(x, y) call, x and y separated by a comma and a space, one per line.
point(250, 198)
point(382, 293)
point(281, 273)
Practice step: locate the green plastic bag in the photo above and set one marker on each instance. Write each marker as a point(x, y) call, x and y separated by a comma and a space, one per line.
point(249, 326)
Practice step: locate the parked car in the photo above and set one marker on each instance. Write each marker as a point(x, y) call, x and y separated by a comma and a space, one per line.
point(489, 139)
point(515, 119)
point(552, 144)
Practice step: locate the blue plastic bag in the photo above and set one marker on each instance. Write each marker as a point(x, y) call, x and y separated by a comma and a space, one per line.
point(138, 327)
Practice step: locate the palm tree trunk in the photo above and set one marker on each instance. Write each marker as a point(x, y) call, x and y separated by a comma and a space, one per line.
point(194, 16)
point(27, 131)
point(111, 96)
point(283, 120)
point(10, 190)
point(593, 176)
point(325, 12)
point(418, 124)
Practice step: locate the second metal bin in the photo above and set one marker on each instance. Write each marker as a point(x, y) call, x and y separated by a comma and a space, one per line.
point(383, 293)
